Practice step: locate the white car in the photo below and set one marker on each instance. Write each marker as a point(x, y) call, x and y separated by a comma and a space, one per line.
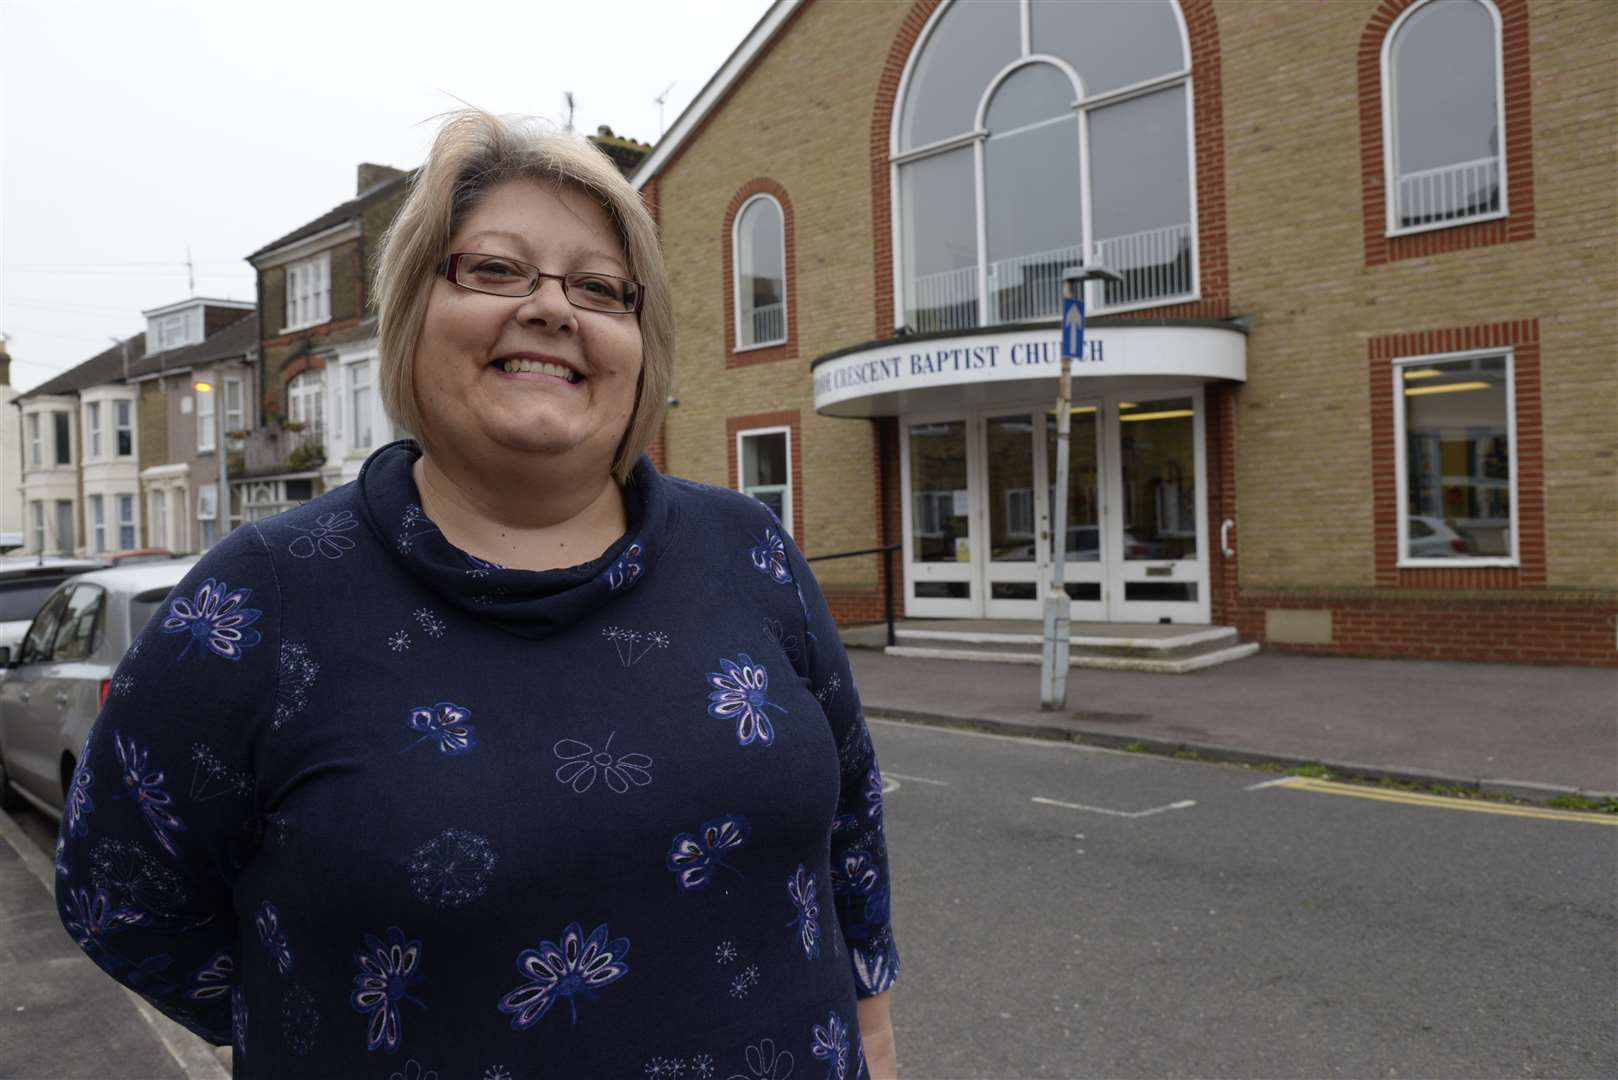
point(25, 582)
point(55, 683)
point(1435, 538)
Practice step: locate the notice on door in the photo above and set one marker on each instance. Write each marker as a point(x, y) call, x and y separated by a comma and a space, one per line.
point(963, 549)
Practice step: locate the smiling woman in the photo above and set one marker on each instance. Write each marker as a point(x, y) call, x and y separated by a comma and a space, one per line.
point(542, 727)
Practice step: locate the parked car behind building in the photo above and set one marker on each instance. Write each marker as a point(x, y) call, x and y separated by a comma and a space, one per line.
point(55, 683)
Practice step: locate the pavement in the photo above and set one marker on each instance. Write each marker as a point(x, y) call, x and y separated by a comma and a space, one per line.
point(1531, 732)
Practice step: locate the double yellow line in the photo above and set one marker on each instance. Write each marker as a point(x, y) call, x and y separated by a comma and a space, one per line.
point(1441, 802)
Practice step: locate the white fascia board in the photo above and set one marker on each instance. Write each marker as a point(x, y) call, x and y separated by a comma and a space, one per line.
point(163, 472)
point(181, 305)
point(714, 91)
point(309, 245)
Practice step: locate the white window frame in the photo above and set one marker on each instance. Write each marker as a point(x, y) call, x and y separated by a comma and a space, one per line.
point(978, 137)
point(1401, 463)
point(348, 407)
point(206, 436)
point(92, 425)
point(1390, 164)
point(736, 271)
point(36, 445)
point(207, 514)
point(39, 524)
point(171, 331)
point(785, 489)
point(308, 389)
point(235, 415)
point(126, 502)
point(98, 523)
point(57, 444)
point(157, 516)
point(121, 423)
point(308, 292)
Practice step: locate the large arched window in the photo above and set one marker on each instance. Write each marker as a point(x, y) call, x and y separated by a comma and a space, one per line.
point(1038, 135)
point(760, 261)
point(1442, 100)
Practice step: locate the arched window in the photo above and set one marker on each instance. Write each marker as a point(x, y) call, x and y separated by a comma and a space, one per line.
point(1038, 135)
point(1442, 101)
point(759, 246)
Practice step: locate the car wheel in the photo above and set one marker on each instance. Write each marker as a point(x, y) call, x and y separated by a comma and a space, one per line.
point(10, 801)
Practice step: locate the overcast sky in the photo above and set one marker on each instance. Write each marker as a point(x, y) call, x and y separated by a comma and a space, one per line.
point(129, 130)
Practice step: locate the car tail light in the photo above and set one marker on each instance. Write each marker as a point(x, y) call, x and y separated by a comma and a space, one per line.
point(106, 684)
point(1459, 545)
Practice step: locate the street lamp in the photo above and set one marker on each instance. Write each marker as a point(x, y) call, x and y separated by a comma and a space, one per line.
point(1058, 613)
point(221, 508)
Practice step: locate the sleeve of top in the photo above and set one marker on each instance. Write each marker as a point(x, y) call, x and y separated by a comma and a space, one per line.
point(161, 810)
point(859, 850)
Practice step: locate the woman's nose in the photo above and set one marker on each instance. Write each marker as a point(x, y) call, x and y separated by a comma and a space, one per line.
point(548, 306)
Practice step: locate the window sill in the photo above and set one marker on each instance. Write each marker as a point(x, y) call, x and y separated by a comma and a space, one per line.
point(305, 326)
point(1458, 564)
point(776, 344)
point(1439, 226)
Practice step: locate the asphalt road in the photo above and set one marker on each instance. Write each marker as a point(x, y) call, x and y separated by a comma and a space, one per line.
point(1271, 932)
point(1157, 918)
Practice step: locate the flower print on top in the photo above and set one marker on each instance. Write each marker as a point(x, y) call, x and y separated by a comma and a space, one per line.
point(300, 1020)
point(217, 617)
point(830, 1044)
point(430, 623)
point(273, 936)
point(764, 1063)
point(829, 691)
point(739, 694)
point(743, 983)
point(122, 685)
point(452, 869)
point(694, 858)
point(211, 778)
point(326, 537)
point(295, 674)
point(399, 641)
point(213, 979)
point(129, 872)
point(633, 645)
point(724, 952)
point(584, 763)
point(445, 724)
point(626, 571)
point(873, 795)
point(806, 911)
point(769, 555)
point(579, 966)
point(412, 524)
point(387, 975)
point(788, 643)
point(414, 1070)
point(238, 1021)
point(145, 786)
point(496, 1072)
point(91, 917)
point(79, 803)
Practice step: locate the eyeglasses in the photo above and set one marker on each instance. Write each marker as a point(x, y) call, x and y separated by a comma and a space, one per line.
point(500, 276)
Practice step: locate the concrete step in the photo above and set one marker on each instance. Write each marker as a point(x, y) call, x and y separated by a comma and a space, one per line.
point(1161, 641)
point(1178, 655)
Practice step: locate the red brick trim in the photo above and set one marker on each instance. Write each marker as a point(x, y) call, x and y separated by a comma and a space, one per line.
point(1522, 337)
point(306, 362)
point(787, 418)
point(1381, 248)
point(323, 330)
point(1209, 131)
point(1219, 405)
point(1522, 628)
point(788, 350)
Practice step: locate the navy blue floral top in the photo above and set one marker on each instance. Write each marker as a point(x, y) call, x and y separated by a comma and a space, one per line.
point(365, 805)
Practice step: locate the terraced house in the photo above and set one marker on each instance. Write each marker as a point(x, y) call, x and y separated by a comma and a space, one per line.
point(1353, 391)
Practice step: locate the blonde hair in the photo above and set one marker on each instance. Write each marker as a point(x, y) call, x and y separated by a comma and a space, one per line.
point(473, 153)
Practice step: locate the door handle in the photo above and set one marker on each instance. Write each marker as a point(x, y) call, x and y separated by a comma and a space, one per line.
point(1224, 538)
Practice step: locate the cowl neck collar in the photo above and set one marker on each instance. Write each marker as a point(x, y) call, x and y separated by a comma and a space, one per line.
point(528, 603)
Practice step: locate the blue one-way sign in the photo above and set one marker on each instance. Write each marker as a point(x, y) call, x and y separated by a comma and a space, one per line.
point(1072, 327)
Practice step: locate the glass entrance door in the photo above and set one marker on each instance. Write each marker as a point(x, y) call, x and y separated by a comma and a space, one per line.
point(1084, 572)
point(1157, 565)
point(939, 546)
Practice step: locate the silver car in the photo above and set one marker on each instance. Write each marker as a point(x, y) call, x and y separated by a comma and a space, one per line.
point(54, 683)
point(25, 583)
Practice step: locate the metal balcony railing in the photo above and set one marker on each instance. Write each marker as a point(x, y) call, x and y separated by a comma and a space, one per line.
point(1451, 193)
point(1154, 265)
point(769, 324)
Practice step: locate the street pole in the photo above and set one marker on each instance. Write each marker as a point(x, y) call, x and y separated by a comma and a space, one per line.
point(1056, 647)
point(224, 480)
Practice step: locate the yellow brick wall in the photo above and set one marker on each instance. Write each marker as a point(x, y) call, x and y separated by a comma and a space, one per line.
point(802, 118)
point(1292, 157)
point(1297, 266)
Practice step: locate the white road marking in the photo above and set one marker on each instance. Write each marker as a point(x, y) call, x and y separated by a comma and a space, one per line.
point(889, 784)
point(916, 779)
point(1268, 783)
point(1047, 744)
point(1113, 813)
